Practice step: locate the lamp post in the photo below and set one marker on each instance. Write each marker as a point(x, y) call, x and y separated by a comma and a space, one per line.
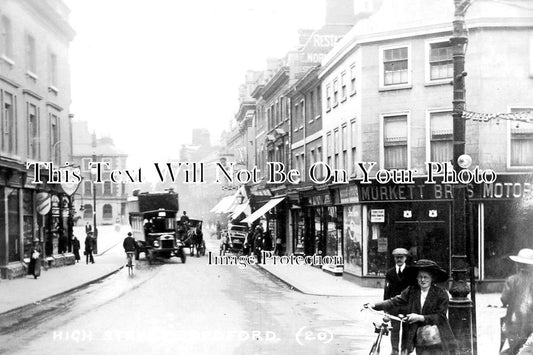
point(461, 307)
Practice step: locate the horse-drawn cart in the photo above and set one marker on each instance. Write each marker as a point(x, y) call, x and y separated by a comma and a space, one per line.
point(190, 233)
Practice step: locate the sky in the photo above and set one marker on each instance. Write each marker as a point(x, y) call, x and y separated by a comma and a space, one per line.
point(146, 72)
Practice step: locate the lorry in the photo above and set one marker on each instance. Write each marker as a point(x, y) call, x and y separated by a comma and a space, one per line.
point(153, 220)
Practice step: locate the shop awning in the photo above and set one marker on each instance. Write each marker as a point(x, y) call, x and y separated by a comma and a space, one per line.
point(243, 208)
point(264, 209)
point(223, 205)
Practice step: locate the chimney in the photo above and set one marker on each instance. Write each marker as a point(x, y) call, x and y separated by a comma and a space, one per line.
point(340, 12)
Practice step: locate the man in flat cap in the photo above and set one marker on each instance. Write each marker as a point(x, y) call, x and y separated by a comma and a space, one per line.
point(395, 283)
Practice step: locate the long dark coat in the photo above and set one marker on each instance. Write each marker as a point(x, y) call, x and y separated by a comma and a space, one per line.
point(394, 285)
point(76, 248)
point(434, 312)
point(34, 267)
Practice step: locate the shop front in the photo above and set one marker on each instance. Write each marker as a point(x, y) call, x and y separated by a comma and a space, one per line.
point(419, 217)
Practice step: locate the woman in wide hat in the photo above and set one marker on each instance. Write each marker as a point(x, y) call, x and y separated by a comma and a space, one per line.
point(517, 296)
point(426, 328)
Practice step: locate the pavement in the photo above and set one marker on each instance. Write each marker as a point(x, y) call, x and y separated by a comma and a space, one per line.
point(21, 292)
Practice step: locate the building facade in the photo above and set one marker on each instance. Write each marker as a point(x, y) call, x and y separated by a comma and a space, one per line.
point(398, 115)
point(35, 117)
point(110, 197)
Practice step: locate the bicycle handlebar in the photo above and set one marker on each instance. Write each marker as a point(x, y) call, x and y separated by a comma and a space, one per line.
point(383, 314)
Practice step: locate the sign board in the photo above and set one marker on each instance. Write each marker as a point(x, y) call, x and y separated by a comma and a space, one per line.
point(43, 203)
point(377, 216)
point(382, 245)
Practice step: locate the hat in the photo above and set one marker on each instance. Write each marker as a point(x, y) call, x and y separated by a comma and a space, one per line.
point(438, 274)
point(525, 256)
point(400, 251)
point(129, 234)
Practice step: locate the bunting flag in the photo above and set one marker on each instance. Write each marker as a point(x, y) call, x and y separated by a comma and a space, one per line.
point(519, 116)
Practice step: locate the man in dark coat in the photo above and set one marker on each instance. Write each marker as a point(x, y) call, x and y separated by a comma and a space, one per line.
point(395, 282)
point(76, 248)
point(89, 248)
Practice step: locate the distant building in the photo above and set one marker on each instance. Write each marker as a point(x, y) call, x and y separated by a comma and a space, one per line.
point(35, 126)
point(110, 197)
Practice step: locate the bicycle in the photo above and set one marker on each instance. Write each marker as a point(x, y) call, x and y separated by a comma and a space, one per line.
point(383, 329)
point(129, 265)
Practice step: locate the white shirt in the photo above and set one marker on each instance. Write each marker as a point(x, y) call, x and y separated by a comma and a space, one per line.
point(423, 295)
point(399, 268)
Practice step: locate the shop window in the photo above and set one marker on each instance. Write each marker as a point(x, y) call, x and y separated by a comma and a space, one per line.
point(440, 61)
point(13, 224)
point(507, 229)
point(353, 258)
point(333, 232)
point(28, 232)
point(88, 211)
point(107, 211)
point(521, 141)
point(395, 142)
point(441, 136)
point(318, 229)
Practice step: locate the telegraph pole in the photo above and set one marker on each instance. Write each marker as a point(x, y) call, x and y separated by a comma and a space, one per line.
point(461, 307)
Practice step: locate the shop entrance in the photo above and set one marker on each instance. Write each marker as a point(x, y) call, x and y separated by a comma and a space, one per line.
point(424, 240)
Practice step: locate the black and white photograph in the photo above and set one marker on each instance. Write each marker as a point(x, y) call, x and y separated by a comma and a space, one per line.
point(266, 177)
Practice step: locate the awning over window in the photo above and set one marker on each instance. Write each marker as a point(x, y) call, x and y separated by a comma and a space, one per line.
point(244, 208)
point(223, 205)
point(264, 209)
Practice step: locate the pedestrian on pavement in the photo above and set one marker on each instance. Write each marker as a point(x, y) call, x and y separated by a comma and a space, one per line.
point(267, 240)
point(279, 246)
point(258, 242)
point(88, 228)
point(517, 295)
point(89, 248)
point(76, 248)
point(395, 282)
point(426, 305)
point(34, 267)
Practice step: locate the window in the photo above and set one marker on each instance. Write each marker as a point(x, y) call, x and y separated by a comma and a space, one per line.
point(329, 148)
point(328, 97)
point(521, 142)
point(335, 92)
point(318, 102)
point(440, 61)
point(31, 63)
point(52, 70)
point(87, 188)
point(8, 124)
point(88, 211)
point(55, 149)
point(395, 66)
point(345, 147)
point(353, 134)
point(337, 148)
point(395, 142)
point(352, 79)
point(311, 105)
point(297, 117)
point(6, 41)
point(320, 159)
point(441, 136)
point(33, 132)
point(107, 188)
point(343, 86)
point(107, 211)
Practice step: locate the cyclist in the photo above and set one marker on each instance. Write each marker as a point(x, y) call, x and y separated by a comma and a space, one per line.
point(130, 247)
